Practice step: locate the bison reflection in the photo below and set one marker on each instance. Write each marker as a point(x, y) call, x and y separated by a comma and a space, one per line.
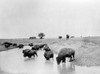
point(66, 69)
point(65, 52)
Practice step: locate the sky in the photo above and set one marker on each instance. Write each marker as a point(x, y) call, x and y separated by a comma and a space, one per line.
point(25, 18)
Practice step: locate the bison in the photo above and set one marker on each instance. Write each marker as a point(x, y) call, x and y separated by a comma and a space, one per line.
point(7, 44)
point(65, 52)
point(14, 44)
point(35, 47)
point(29, 53)
point(31, 44)
point(46, 48)
point(20, 46)
point(48, 55)
point(42, 45)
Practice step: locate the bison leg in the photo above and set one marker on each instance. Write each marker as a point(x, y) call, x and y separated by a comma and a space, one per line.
point(29, 56)
point(36, 54)
point(33, 55)
point(47, 58)
point(52, 56)
point(63, 60)
point(24, 55)
point(73, 56)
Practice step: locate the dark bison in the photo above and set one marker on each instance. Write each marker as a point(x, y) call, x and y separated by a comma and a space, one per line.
point(31, 44)
point(14, 44)
point(29, 53)
point(35, 47)
point(46, 48)
point(42, 45)
point(7, 44)
point(48, 55)
point(67, 36)
point(20, 46)
point(32, 37)
point(65, 52)
point(39, 46)
point(60, 37)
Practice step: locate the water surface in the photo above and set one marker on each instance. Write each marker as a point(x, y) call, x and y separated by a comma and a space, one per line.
point(13, 62)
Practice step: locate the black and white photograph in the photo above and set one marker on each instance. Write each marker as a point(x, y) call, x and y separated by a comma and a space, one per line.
point(49, 36)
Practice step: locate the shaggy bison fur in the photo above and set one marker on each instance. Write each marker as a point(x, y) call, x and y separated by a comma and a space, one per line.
point(20, 46)
point(65, 52)
point(48, 55)
point(29, 53)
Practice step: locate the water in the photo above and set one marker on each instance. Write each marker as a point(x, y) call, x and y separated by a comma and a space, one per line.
point(13, 62)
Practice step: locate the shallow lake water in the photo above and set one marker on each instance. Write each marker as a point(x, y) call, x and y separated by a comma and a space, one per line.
point(13, 62)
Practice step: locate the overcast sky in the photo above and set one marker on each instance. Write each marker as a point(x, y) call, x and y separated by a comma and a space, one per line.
point(25, 18)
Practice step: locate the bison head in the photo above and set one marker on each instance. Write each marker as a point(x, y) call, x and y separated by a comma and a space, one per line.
point(58, 59)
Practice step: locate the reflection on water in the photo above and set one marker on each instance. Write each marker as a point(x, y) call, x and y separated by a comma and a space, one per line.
point(13, 62)
point(66, 68)
point(28, 59)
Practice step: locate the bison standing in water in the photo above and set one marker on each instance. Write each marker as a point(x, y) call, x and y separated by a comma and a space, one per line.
point(46, 48)
point(42, 45)
point(38, 47)
point(48, 52)
point(14, 44)
point(48, 55)
point(20, 46)
point(29, 53)
point(31, 44)
point(65, 52)
point(35, 47)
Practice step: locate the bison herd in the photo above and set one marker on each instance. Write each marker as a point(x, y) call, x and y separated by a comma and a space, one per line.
point(48, 53)
point(35, 48)
point(12, 45)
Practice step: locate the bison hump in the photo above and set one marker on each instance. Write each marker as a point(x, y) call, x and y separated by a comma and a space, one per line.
point(48, 53)
point(66, 51)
